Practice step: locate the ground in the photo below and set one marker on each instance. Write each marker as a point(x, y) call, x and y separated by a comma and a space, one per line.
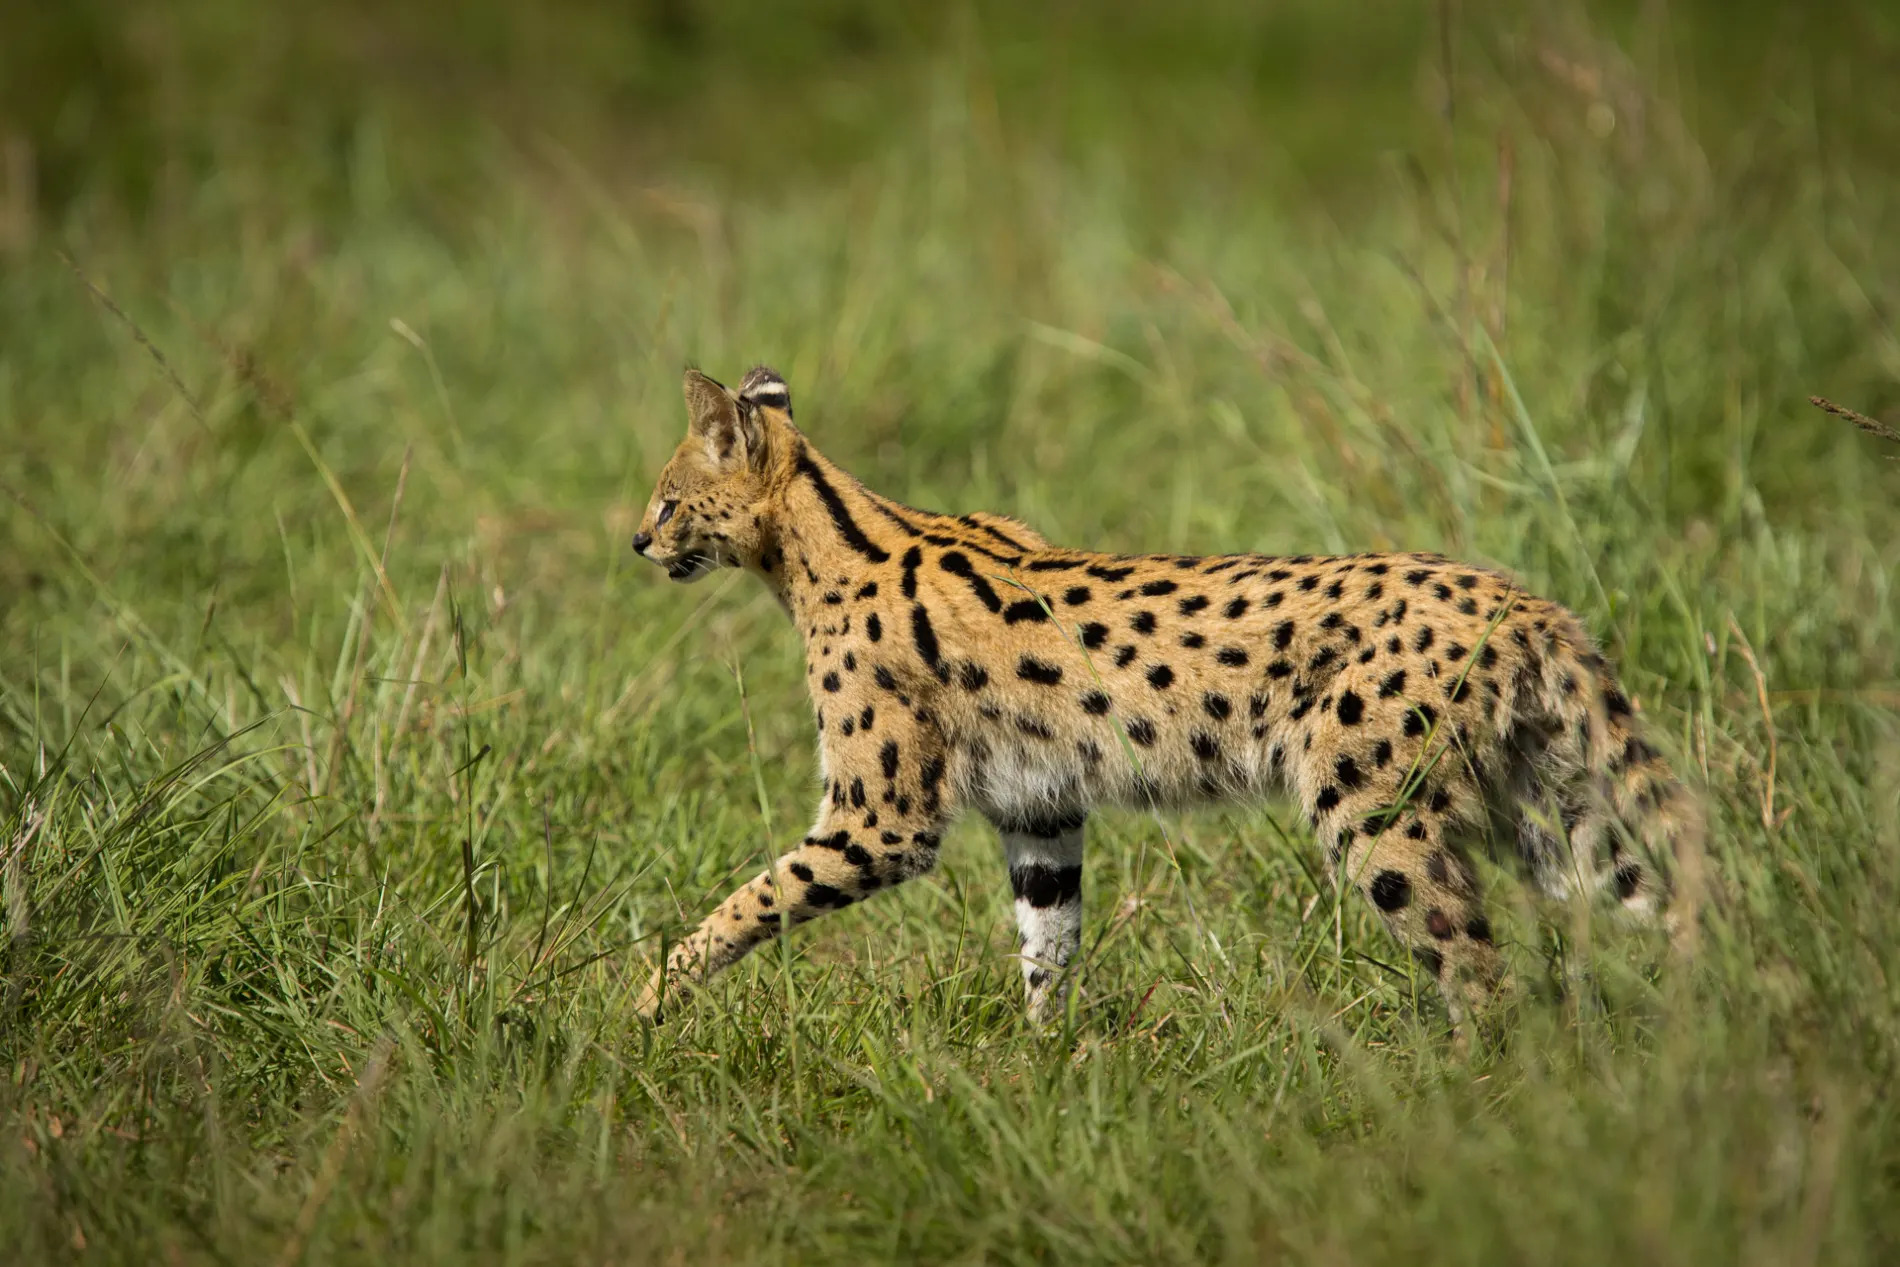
point(355, 769)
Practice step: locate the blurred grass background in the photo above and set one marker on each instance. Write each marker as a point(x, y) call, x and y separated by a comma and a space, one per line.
point(351, 768)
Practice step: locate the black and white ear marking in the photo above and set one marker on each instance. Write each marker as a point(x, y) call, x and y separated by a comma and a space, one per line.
point(763, 388)
point(729, 426)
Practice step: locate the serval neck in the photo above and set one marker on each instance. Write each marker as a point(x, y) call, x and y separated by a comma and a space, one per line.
point(837, 538)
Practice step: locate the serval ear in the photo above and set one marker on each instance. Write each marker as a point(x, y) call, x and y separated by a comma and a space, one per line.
point(764, 388)
point(730, 431)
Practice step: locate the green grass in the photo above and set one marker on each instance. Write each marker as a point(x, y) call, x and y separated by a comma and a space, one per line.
point(352, 770)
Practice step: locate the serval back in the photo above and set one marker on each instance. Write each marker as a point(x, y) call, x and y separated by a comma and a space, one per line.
point(962, 663)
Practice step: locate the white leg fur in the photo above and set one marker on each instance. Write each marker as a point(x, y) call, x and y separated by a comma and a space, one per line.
point(1045, 874)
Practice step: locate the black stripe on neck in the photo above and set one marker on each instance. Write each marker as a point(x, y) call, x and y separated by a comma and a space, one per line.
point(840, 514)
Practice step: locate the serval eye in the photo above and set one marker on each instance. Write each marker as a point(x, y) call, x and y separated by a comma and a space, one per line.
point(666, 512)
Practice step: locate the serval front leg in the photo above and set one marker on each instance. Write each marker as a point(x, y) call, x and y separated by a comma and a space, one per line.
point(884, 813)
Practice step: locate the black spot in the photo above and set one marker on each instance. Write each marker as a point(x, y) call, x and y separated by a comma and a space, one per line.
point(1333, 621)
point(1095, 703)
point(1478, 928)
point(1328, 799)
point(1160, 677)
point(1391, 891)
point(973, 676)
point(1309, 583)
point(1155, 589)
point(873, 627)
point(1142, 731)
point(1418, 720)
point(850, 660)
point(1422, 640)
point(857, 855)
point(1191, 605)
point(1030, 669)
point(1283, 635)
point(1216, 706)
point(1438, 868)
point(866, 590)
point(1101, 573)
point(1439, 801)
point(1257, 706)
point(847, 727)
point(1124, 656)
point(1394, 683)
point(833, 598)
point(1467, 581)
point(1346, 770)
point(1615, 702)
point(923, 635)
point(1205, 746)
point(1232, 657)
point(1456, 691)
point(912, 560)
point(1335, 589)
point(1193, 641)
point(1438, 924)
point(957, 564)
point(1279, 669)
point(1094, 634)
point(887, 757)
point(1034, 727)
point(1043, 886)
point(1236, 609)
point(1636, 752)
point(1487, 657)
point(1442, 591)
point(1392, 645)
point(830, 682)
point(800, 872)
point(1025, 610)
point(1629, 878)
point(825, 895)
point(1076, 595)
point(1416, 831)
point(1273, 599)
point(1375, 592)
point(1323, 657)
point(1381, 753)
point(1143, 623)
point(1351, 708)
point(1454, 652)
